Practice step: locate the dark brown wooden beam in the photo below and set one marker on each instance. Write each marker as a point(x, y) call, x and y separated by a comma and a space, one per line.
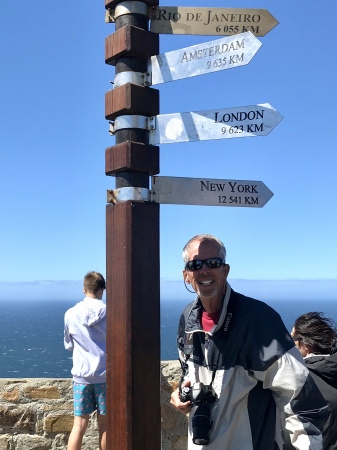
point(131, 99)
point(132, 253)
point(133, 327)
point(132, 156)
point(130, 41)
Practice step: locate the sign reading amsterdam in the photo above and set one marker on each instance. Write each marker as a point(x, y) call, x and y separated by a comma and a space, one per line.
point(205, 191)
point(245, 121)
point(224, 53)
point(211, 21)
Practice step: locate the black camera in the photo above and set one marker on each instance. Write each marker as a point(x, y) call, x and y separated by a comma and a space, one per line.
point(202, 396)
point(197, 394)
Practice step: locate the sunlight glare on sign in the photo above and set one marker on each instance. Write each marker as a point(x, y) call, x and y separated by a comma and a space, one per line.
point(226, 123)
point(213, 56)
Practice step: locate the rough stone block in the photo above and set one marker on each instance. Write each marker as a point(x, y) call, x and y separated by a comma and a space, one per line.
point(5, 442)
point(64, 406)
point(11, 396)
point(180, 443)
point(60, 441)
point(58, 423)
point(22, 419)
point(170, 418)
point(28, 442)
point(51, 392)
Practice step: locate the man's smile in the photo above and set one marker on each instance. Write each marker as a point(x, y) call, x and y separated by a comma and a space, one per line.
point(205, 282)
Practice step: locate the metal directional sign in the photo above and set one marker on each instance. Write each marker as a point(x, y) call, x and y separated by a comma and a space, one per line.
point(205, 191)
point(245, 121)
point(221, 54)
point(210, 21)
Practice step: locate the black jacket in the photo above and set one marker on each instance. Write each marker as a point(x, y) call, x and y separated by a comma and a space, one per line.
point(257, 375)
point(323, 369)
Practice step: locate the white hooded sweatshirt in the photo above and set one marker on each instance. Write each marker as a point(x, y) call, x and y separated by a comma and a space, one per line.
point(85, 335)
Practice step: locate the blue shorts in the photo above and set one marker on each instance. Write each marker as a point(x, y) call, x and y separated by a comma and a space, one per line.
point(89, 398)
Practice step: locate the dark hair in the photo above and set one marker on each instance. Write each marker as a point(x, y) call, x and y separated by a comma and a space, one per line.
point(316, 332)
point(93, 282)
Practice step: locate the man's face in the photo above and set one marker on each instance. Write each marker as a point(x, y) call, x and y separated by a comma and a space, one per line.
point(207, 283)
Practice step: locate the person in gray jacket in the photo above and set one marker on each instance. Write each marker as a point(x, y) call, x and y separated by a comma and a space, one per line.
point(243, 380)
point(85, 336)
point(316, 338)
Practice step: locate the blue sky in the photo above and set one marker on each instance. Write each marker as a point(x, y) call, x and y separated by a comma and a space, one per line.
point(53, 136)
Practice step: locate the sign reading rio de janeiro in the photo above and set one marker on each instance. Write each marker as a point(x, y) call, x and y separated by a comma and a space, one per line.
point(210, 21)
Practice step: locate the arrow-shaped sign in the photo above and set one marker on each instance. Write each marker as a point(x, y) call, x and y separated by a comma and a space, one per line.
point(245, 121)
point(221, 54)
point(205, 191)
point(210, 21)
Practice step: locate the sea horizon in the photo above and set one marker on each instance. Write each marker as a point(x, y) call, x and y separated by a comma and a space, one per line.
point(31, 332)
point(265, 290)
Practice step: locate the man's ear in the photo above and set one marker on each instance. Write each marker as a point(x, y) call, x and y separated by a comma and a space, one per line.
point(227, 269)
point(185, 276)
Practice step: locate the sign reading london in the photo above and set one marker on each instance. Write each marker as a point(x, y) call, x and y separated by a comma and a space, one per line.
point(245, 121)
point(221, 54)
point(211, 21)
point(205, 191)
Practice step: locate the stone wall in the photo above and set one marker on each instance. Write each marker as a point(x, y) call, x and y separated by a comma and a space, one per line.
point(36, 414)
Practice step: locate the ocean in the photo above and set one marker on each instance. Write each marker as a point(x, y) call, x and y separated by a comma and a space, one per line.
point(31, 333)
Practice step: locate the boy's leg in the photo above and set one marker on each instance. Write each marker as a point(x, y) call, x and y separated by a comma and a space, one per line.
point(100, 397)
point(84, 405)
point(77, 432)
point(101, 421)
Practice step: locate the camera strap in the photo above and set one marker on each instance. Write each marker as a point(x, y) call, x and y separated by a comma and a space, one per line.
point(222, 335)
point(220, 338)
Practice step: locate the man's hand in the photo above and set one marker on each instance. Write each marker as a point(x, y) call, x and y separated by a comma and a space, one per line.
point(184, 408)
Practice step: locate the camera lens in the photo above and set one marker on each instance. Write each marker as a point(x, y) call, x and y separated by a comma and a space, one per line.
point(201, 425)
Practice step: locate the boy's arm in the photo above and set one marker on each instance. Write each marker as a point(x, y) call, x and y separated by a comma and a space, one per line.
point(68, 342)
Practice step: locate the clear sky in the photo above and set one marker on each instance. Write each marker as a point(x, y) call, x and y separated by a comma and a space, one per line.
point(53, 136)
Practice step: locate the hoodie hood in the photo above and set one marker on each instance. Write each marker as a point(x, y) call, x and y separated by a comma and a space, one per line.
point(324, 366)
point(93, 311)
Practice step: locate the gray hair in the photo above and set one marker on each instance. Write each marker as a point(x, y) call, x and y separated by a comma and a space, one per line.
point(201, 238)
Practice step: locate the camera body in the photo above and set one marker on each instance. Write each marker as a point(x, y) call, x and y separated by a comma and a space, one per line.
point(202, 396)
point(197, 394)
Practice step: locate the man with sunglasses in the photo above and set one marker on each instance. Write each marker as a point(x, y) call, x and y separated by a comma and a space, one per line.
point(244, 382)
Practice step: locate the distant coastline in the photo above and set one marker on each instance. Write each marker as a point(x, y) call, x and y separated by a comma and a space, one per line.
point(174, 289)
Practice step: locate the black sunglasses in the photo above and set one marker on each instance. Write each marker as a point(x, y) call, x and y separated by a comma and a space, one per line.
point(211, 263)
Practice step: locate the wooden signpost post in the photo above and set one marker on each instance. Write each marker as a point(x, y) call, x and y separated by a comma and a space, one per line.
point(132, 246)
point(132, 212)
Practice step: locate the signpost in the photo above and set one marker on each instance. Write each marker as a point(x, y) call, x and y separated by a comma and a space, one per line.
point(205, 191)
point(226, 123)
point(213, 56)
point(210, 21)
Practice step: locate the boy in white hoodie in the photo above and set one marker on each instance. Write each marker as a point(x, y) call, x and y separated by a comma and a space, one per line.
point(85, 335)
